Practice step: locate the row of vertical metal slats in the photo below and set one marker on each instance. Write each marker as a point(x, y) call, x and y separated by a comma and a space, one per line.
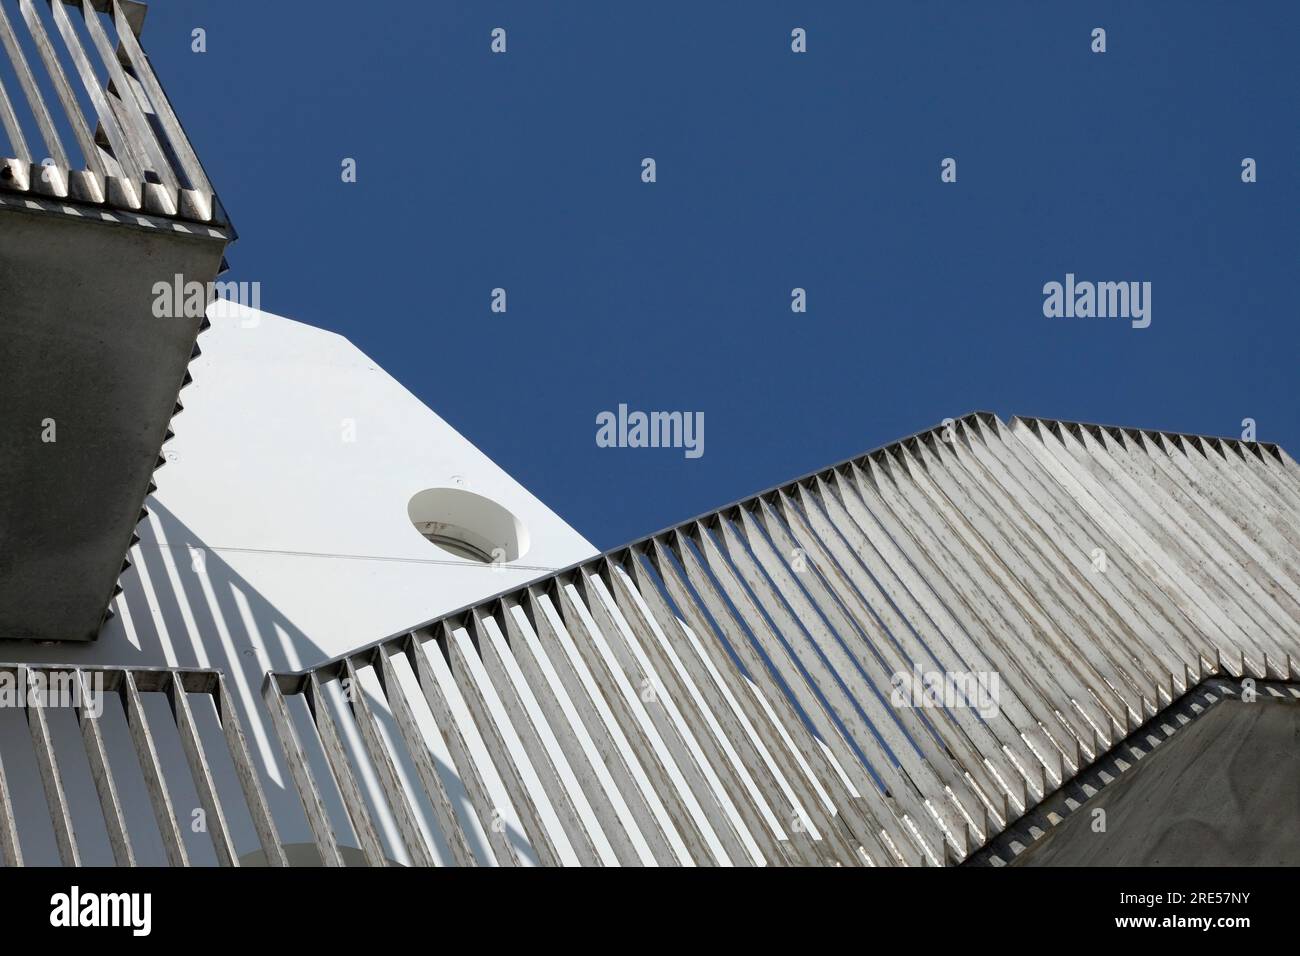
point(128, 689)
point(134, 155)
point(720, 693)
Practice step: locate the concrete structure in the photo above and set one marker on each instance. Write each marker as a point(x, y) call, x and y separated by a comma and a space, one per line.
point(92, 365)
point(1223, 789)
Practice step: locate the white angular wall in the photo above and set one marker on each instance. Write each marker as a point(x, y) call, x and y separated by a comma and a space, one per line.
point(273, 543)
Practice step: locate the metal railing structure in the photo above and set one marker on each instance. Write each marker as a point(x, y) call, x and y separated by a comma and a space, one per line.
point(104, 702)
point(765, 684)
point(84, 117)
point(748, 687)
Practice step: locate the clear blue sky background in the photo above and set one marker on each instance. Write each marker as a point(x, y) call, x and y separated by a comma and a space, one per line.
point(775, 170)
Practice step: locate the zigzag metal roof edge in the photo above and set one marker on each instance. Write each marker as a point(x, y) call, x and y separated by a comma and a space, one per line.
point(152, 484)
point(288, 679)
point(1276, 450)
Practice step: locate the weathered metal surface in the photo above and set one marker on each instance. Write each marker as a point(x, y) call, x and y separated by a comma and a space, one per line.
point(87, 692)
point(144, 164)
point(304, 779)
point(101, 773)
point(47, 763)
point(11, 853)
point(736, 690)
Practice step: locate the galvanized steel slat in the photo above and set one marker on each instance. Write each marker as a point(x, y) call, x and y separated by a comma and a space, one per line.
point(155, 781)
point(47, 764)
point(35, 101)
point(309, 793)
point(101, 772)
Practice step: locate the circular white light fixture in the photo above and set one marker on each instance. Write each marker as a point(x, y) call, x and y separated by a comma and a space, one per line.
point(468, 526)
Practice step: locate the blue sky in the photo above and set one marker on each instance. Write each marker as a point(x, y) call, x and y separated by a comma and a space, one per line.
point(775, 170)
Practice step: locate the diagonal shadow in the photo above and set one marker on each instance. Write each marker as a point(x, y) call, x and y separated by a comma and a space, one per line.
point(183, 604)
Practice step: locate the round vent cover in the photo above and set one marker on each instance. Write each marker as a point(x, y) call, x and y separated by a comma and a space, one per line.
point(468, 526)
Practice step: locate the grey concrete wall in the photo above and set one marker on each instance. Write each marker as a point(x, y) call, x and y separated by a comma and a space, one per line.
point(1223, 791)
point(81, 346)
